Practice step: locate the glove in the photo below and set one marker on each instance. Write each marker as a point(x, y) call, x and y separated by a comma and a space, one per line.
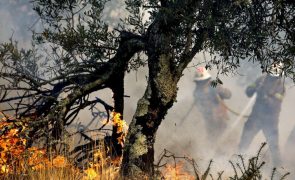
point(279, 96)
point(250, 90)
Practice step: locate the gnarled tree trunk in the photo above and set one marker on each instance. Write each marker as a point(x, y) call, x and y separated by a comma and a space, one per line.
point(159, 96)
point(165, 71)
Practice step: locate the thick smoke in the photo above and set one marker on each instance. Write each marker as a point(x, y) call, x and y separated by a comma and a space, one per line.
point(18, 20)
point(187, 137)
point(190, 137)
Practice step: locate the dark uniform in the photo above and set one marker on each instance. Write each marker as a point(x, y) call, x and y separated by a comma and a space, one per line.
point(291, 139)
point(209, 101)
point(265, 113)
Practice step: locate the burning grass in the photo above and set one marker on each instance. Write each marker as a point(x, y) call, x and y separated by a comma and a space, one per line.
point(18, 161)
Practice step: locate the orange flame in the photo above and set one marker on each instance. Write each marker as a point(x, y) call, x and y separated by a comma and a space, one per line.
point(14, 157)
point(122, 127)
point(176, 172)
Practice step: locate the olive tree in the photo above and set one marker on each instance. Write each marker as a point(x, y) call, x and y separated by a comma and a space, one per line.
point(84, 55)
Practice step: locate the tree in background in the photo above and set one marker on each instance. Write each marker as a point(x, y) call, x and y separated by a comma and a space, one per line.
point(77, 53)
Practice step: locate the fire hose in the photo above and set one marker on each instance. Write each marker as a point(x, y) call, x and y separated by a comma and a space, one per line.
point(233, 126)
point(222, 103)
point(231, 110)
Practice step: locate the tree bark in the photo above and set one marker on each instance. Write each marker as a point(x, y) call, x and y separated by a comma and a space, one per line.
point(138, 154)
point(161, 91)
point(118, 90)
point(159, 96)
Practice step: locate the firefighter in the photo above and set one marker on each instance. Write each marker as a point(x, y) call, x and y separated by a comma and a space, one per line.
point(265, 113)
point(209, 101)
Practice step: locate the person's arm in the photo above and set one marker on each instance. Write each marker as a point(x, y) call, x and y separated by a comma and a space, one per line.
point(224, 93)
point(280, 93)
point(252, 88)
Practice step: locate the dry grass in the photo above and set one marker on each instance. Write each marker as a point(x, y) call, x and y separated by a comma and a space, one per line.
point(102, 167)
point(67, 171)
point(19, 162)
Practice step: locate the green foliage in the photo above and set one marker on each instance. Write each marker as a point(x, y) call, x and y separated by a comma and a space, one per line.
point(82, 54)
point(252, 31)
point(76, 26)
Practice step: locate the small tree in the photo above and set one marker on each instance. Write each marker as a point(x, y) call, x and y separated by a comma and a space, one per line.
point(85, 55)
